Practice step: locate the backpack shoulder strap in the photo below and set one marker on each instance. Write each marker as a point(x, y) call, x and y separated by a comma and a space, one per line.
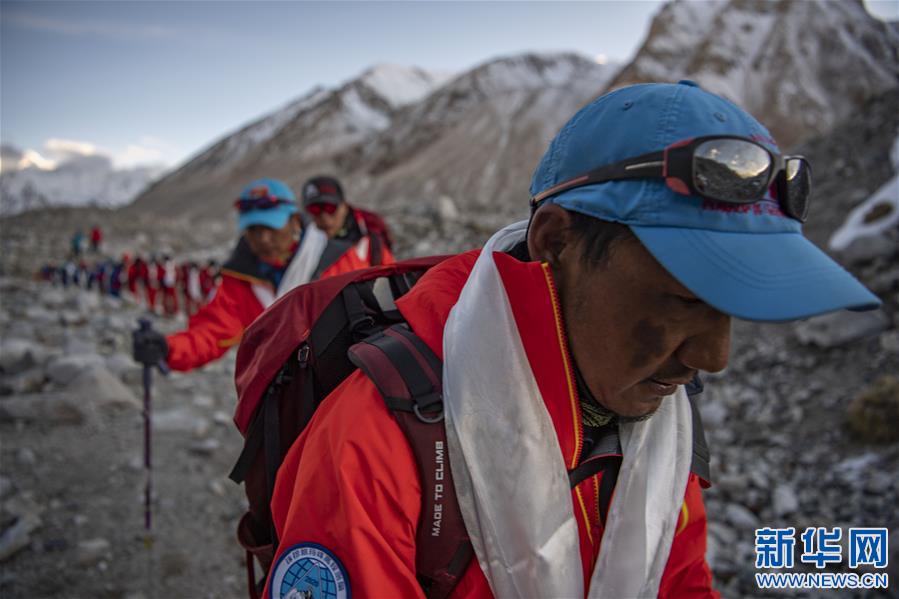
point(701, 454)
point(409, 377)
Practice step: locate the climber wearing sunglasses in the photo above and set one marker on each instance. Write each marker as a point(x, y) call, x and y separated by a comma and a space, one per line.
point(357, 238)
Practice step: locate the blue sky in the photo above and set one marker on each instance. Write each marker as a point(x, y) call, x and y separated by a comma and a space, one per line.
point(158, 81)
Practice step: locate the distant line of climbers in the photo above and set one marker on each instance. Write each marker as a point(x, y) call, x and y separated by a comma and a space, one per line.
point(155, 282)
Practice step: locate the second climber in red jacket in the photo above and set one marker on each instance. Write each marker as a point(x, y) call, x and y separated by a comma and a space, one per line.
point(276, 252)
point(359, 238)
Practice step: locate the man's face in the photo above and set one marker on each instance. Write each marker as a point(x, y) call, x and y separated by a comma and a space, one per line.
point(634, 331)
point(272, 244)
point(329, 223)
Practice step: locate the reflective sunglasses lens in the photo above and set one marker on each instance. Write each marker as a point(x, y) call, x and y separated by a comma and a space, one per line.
point(798, 177)
point(731, 170)
point(316, 209)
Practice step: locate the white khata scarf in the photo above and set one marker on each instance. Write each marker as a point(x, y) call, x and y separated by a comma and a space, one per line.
point(509, 473)
point(299, 271)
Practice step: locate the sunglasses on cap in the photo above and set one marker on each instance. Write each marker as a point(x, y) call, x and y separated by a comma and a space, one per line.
point(262, 202)
point(729, 169)
point(318, 208)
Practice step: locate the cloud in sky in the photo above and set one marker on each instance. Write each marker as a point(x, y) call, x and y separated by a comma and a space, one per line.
point(93, 27)
point(55, 152)
point(61, 150)
point(147, 150)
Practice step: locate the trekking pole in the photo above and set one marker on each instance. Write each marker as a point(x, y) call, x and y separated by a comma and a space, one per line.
point(145, 326)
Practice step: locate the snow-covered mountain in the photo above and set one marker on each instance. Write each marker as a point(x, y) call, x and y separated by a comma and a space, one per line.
point(304, 134)
point(403, 140)
point(399, 133)
point(801, 67)
point(477, 139)
point(28, 181)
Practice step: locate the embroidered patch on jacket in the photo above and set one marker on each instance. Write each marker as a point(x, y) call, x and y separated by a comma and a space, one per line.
point(309, 571)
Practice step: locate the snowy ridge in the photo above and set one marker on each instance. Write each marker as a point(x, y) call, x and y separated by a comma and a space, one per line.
point(673, 34)
point(475, 140)
point(88, 180)
point(319, 124)
point(786, 62)
point(400, 86)
point(237, 145)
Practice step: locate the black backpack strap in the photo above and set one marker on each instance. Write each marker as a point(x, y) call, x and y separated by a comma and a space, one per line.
point(409, 377)
point(701, 454)
point(331, 254)
point(374, 249)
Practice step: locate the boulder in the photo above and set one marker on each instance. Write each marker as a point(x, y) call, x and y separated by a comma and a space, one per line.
point(865, 249)
point(17, 537)
point(840, 328)
point(92, 551)
point(447, 212)
point(29, 381)
point(97, 385)
point(178, 420)
point(67, 368)
point(124, 367)
point(72, 318)
point(18, 355)
point(85, 301)
point(741, 517)
point(874, 413)
point(52, 297)
point(784, 500)
point(56, 408)
point(6, 487)
point(40, 316)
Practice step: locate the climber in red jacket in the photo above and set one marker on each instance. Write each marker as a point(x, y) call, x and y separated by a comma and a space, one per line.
point(276, 252)
point(659, 212)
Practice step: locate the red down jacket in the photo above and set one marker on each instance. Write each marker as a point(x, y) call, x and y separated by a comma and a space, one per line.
point(350, 485)
point(220, 324)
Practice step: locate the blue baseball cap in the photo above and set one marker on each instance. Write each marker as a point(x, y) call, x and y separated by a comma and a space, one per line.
point(283, 204)
point(753, 264)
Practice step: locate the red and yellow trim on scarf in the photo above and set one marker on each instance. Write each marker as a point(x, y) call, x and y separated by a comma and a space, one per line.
point(684, 518)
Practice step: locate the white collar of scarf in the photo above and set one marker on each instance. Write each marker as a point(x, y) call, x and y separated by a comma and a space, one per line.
point(509, 473)
point(299, 271)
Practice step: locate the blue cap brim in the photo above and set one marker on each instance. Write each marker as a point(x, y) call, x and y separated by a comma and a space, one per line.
point(274, 218)
point(771, 277)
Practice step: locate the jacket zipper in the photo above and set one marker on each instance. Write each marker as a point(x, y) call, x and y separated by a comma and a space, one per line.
point(568, 364)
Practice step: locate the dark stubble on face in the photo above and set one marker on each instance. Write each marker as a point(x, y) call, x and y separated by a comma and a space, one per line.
point(649, 339)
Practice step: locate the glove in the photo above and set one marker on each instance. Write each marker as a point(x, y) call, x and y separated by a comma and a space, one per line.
point(150, 347)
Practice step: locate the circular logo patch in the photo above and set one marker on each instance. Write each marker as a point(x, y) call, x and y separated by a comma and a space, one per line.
point(309, 571)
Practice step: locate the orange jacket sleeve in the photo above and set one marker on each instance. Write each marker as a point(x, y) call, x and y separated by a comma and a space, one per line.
point(215, 327)
point(687, 574)
point(354, 490)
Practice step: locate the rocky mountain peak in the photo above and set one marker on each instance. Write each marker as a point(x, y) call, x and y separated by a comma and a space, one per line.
point(801, 67)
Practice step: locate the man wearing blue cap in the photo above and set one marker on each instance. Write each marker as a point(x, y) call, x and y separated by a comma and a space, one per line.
point(571, 344)
point(275, 254)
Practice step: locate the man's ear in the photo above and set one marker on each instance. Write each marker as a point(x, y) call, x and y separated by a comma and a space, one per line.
point(549, 233)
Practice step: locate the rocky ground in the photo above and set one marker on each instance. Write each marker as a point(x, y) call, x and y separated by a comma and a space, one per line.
point(803, 426)
point(72, 482)
point(800, 430)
